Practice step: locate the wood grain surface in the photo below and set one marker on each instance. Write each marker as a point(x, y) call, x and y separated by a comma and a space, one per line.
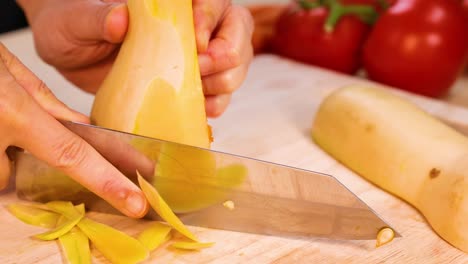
point(269, 119)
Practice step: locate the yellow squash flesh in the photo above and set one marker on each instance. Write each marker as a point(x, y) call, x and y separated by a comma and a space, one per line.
point(154, 87)
point(402, 149)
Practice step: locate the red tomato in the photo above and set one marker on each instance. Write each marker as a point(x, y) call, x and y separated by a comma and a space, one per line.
point(418, 45)
point(265, 17)
point(465, 7)
point(378, 4)
point(300, 35)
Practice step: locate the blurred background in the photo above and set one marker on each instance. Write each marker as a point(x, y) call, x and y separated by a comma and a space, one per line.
point(423, 51)
point(11, 16)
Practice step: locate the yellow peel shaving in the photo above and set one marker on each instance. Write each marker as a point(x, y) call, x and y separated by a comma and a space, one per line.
point(163, 210)
point(75, 245)
point(80, 208)
point(155, 235)
point(34, 216)
point(115, 245)
point(66, 209)
point(72, 215)
point(60, 229)
point(385, 236)
point(191, 245)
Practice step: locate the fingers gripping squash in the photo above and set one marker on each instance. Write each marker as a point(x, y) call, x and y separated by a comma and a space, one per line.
point(154, 89)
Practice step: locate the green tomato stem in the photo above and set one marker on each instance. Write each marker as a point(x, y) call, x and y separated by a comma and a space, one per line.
point(365, 13)
point(305, 4)
point(384, 4)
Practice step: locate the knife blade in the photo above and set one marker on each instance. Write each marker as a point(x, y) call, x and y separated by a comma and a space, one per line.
point(263, 197)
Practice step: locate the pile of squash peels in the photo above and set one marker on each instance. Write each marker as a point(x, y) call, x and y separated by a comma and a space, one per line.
point(68, 224)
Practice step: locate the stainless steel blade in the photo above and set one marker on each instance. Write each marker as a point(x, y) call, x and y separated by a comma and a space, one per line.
point(267, 198)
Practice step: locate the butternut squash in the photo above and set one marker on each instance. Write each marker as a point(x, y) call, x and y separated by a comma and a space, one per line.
point(154, 88)
point(401, 149)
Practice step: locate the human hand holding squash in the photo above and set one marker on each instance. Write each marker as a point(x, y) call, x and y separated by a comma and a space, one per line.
point(223, 32)
point(28, 120)
point(81, 40)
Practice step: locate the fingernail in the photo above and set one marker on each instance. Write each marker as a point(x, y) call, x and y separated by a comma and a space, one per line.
point(116, 23)
point(203, 38)
point(205, 62)
point(136, 204)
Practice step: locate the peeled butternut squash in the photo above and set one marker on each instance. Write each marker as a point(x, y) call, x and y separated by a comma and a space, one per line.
point(154, 88)
point(403, 150)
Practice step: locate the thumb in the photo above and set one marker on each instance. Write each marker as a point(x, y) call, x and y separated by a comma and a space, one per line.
point(97, 20)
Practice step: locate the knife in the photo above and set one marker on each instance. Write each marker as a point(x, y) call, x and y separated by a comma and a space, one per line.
point(212, 189)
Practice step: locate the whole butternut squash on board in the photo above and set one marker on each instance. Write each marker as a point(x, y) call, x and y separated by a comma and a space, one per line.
point(401, 149)
point(154, 88)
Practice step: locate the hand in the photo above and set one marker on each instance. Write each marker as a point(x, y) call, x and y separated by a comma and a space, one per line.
point(81, 38)
point(224, 34)
point(28, 120)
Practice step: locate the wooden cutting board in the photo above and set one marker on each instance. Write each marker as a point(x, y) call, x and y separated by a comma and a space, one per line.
point(270, 119)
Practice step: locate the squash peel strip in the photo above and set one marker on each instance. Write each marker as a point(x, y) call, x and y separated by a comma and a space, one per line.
point(33, 215)
point(75, 245)
point(155, 235)
point(67, 209)
point(60, 229)
point(163, 210)
point(72, 215)
point(115, 245)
